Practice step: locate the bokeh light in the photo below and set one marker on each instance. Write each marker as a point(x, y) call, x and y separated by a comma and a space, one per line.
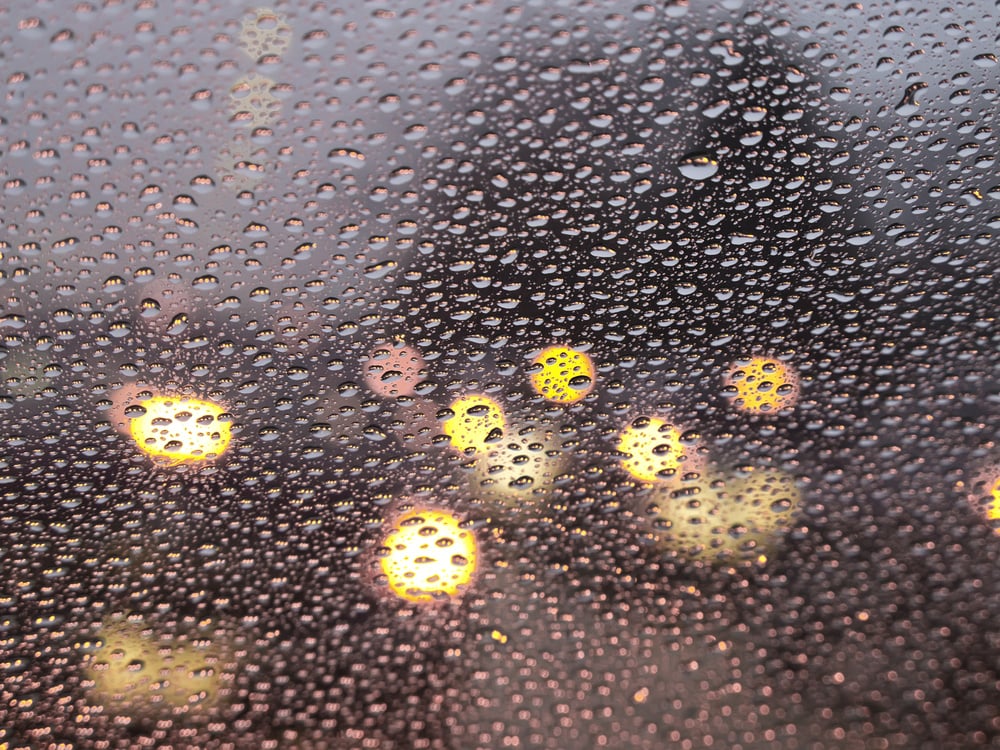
point(139, 672)
point(562, 375)
point(277, 281)
point(253, 102)
point(264, 33)
point(180, 430)
point(429, 556)
point(762, 385)
point(477, 421)
point(521, 472)
point(655, 451)
point(727, 517)
point(984, 494)
point(393, 370)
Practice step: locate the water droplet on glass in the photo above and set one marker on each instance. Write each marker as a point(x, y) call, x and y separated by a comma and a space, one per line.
point(909, 104)
point(699, 166)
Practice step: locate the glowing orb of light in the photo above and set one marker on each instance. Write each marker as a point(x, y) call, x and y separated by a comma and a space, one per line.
point(562, 375)
point(264, 33)
point(179, 429)
point(655, 451)
point(478, 420)
point(520, 473)
point(393, 370)
point(726, 518)
point(761, 385)
point(428, 556)
point(137, 672)
point(985, 495)
point(253, 101)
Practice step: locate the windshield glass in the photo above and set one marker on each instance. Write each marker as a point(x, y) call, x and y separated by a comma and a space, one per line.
point(477, 375)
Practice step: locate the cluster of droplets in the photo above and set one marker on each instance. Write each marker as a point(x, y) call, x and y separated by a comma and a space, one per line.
point(930, 153)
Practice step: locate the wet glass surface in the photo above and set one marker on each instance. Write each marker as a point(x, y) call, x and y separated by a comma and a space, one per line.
point(478, 375)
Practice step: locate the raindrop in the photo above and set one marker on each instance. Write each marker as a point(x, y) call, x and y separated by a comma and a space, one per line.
point(346, 157)
point(908, 105)
point(698, 166)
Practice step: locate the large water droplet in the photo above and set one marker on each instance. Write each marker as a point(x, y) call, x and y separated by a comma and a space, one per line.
point(698, 166)
point(909, 104)
point(346, 157)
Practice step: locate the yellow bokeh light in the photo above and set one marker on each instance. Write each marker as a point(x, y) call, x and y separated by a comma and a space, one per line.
point(137, 672)
point(562, 375)
point(478, 421)
point(264, 33)
point(655, 451)
point(429, 556)
point(993, 509)
point(762, 385)
point(180, 430)
point(985, 495)
point(252, 100)
point(726, 517)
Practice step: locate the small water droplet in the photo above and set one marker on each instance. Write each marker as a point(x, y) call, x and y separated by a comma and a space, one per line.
point(178, 324)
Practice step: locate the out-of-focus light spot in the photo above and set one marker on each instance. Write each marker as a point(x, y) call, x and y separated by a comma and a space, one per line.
point(429, 556)
point(252, 100)
point(478, 421)
point(984, 494)
point(762, 385)
point(993, 509)
point(655, 451)
point(138, 672)
point(393, 370)
point(180, 430)
point(562, 375)
point(264, 33)
point(519, 473)
point(726, 518)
